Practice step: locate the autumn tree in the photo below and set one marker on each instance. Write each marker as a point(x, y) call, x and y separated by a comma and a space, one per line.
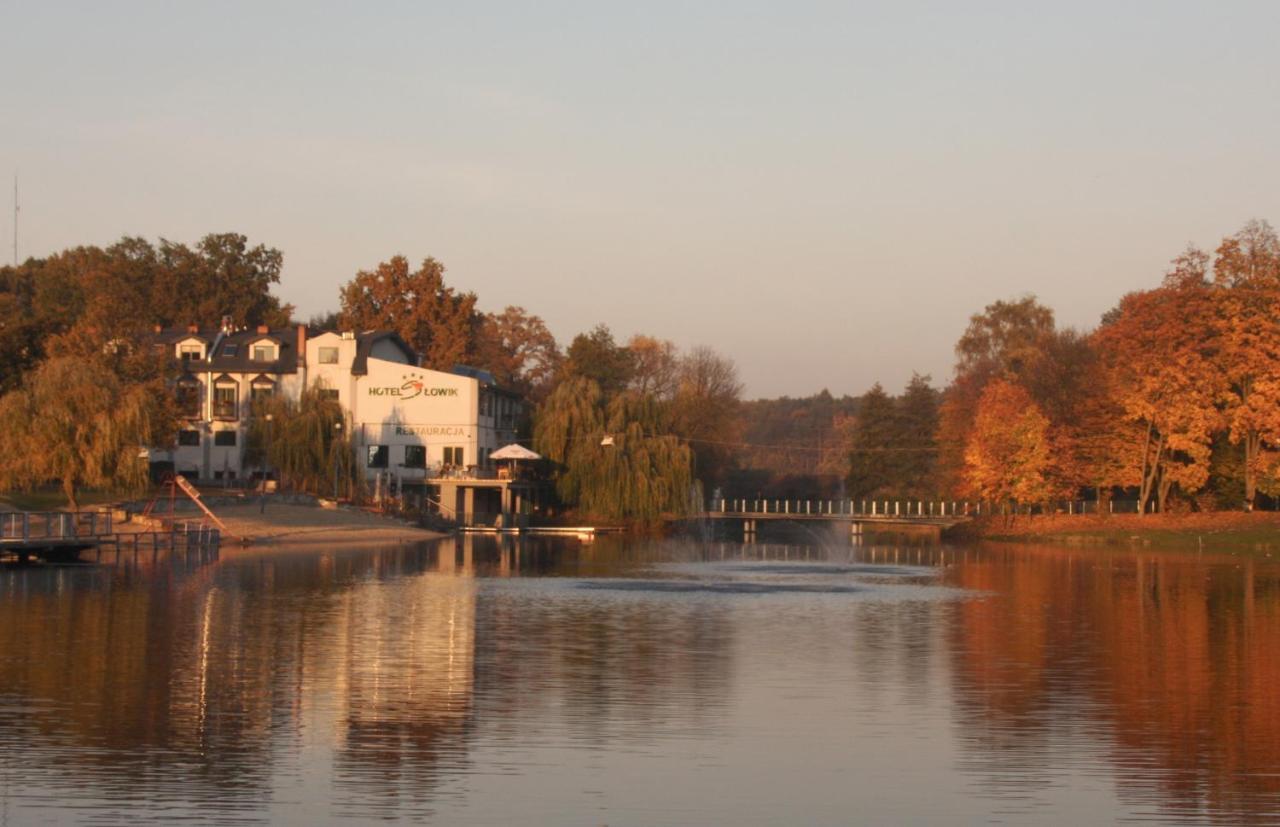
point(1250, 258)
point(1159, 353)
point(518, 349)
point(704, 409)
point(1009, 453)
point(1247, 319)
point(436, 320)
point(78, 422)
point(655, 366)
point(1005, 340)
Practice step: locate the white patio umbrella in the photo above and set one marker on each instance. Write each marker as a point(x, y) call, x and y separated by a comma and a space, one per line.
point(514, 451)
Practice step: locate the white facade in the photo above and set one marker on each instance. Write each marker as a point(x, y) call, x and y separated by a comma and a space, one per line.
point(407, 424)
point(419, 424)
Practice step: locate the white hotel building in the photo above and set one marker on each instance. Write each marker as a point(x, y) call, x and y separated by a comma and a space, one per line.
point(423, 431)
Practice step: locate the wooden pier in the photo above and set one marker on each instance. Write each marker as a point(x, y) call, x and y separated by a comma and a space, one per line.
point(65, 537)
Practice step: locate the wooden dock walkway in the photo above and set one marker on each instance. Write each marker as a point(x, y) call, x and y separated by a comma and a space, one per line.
point(65, 537)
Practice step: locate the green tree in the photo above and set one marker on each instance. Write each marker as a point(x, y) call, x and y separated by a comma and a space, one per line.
point(302, 442)
point(221, 276)
point(596, 356)
point(641, 473)
point(915, 437)
point(874, 437)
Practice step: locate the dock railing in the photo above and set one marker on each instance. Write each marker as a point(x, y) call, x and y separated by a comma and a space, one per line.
point(54, 525)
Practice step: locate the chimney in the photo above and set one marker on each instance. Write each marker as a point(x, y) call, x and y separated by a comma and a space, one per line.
point(302, 345)
point(193, 328)
point(263, 329)
point(158, 329)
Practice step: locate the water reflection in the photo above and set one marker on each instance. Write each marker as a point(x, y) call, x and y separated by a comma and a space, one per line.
point(1169, 658)
point(482, 680)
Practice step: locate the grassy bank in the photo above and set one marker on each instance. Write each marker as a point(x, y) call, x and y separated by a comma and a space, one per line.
point(1218, 531)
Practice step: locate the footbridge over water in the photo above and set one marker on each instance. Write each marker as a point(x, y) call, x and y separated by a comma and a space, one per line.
point(862, 516)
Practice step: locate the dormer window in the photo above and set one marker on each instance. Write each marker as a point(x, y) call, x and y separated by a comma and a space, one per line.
point(190, 352)
point(264, 352)
point(230, 349)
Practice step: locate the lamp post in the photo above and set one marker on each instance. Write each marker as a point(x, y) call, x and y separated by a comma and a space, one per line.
point(337, 446)
point(266, 465)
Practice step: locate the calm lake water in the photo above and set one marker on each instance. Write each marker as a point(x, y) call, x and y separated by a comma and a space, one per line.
point(641, 682)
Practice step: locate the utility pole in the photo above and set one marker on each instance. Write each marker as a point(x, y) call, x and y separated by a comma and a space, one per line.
point(15, 220)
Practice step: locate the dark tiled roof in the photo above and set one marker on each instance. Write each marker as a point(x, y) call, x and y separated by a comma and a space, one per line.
point(286, 342)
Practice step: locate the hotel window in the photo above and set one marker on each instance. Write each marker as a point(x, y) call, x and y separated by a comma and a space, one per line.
point(230, 349)
point(377, 456)
point(226, 439)
point(188, 437)
point(453, 455)
point(261, 388)
point(415, 456)
point(190, 353)
point(329, 393)
point(328, 356)
point(224, 400)
point(189, 397)
point(264, 353)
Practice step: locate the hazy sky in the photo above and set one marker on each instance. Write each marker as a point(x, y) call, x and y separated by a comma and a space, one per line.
point(823, 191)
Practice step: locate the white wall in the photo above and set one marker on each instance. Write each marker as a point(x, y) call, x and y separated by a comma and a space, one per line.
point(398, 405)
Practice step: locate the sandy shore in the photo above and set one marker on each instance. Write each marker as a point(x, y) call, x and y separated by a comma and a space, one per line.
point(308, 527)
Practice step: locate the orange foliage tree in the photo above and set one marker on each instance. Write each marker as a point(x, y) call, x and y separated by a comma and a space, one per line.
point(1158, 350)
point(1247, 273)
point(1009, 455)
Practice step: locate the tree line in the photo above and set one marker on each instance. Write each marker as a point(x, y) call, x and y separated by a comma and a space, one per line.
point(1173, 399)
point(79, 399)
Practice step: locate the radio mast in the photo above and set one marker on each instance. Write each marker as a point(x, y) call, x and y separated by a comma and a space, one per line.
point(15, 220)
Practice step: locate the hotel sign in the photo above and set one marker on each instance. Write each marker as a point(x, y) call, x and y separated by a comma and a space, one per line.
point(412, 389)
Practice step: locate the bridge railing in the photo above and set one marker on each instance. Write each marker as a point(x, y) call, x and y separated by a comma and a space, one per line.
point(914, 508)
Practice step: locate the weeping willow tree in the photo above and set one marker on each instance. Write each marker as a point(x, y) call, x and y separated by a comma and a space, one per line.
point(77, 421)
point(645, 473)
point(307, 442)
